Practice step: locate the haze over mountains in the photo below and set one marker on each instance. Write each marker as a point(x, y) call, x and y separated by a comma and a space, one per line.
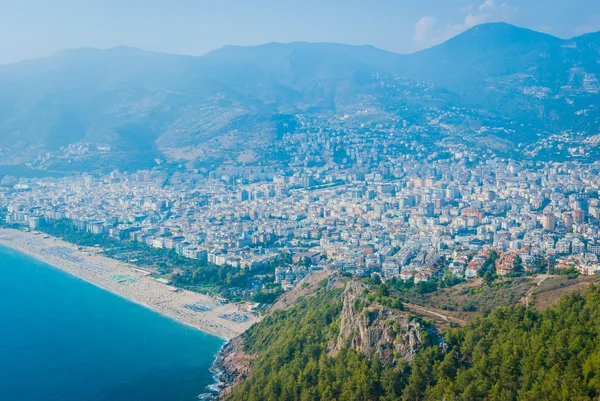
point(524, 83)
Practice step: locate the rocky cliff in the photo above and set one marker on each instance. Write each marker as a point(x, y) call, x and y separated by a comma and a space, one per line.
point(390, 335)
point(231, 366)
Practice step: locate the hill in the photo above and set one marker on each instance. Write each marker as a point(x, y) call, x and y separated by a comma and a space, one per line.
point(515, 353)
point(233, 99)
point(516, 72)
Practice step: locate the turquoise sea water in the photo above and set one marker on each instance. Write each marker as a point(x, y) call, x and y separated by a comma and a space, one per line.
point(62, 339)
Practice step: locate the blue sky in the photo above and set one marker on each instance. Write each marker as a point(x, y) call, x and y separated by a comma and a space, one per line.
point(37, 28)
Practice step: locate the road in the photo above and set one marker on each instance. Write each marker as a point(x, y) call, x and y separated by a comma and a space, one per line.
point(422, 310)
point(542, 278)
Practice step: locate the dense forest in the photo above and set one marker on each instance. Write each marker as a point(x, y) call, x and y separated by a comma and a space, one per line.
point(513, 354)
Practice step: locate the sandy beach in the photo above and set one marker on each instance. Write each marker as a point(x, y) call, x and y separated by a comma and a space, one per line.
point(135, 285)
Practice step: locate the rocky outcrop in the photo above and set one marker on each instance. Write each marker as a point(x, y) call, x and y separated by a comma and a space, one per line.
point(231, 366)
point(390, 335)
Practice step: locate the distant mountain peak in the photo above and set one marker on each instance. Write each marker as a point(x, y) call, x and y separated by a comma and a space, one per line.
point(293, 46)
point(489, 39)
point(502, 32)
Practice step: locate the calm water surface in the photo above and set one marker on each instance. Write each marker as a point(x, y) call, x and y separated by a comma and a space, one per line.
point(62, 339)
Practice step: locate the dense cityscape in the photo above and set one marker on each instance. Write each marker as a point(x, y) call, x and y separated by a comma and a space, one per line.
point(363, 211)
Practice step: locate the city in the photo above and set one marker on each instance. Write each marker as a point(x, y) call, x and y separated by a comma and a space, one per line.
point(396, 215)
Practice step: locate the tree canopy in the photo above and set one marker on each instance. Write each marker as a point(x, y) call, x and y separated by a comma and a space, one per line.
point(513, 354)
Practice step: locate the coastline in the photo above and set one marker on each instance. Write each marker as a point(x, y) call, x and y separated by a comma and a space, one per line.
point(136, 287)
point(231, 366)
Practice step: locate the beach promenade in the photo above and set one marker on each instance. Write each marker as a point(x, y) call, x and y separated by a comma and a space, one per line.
point(197, 310)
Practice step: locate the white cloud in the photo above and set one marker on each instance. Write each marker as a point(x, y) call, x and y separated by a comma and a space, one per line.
point(425, 28)
point(592, 25)
point(429, 31)
point(472, 20)
point(487, 4)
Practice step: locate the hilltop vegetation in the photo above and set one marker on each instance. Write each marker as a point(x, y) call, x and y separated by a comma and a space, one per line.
point(513, 354)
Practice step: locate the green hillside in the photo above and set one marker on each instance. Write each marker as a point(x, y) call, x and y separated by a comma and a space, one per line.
point(512, 354)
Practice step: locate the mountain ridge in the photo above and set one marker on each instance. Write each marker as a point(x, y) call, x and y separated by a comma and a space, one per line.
point(495, 71)
point(476, 28)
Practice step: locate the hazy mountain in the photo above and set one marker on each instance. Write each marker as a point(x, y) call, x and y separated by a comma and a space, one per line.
point(515, 72)
point(236, 97)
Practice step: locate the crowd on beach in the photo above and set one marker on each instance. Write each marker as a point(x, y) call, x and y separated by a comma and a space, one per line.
point(222, 320)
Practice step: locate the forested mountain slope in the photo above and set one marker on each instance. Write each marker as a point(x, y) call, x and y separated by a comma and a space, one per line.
point(512, 354)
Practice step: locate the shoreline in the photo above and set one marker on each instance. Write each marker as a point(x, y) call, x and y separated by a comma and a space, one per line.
point(138, 288)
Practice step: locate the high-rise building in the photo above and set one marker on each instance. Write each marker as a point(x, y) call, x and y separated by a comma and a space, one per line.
point(579, 216)
point(490, 195)
point(35, 222)
point(473, 212)
point(408, 201)
point(242, 195)
point(548, 221)
point(452, 193)
point(567, 220)
point(579, 203)
point(429, 210)
point(307, 181)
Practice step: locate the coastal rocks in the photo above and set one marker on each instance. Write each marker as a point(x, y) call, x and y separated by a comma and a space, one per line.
point(377, 331)
point(231, 366)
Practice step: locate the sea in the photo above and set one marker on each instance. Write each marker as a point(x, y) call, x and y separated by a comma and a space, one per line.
point(63, 339)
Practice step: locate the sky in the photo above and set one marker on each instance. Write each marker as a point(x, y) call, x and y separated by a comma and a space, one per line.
point(39, 28)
